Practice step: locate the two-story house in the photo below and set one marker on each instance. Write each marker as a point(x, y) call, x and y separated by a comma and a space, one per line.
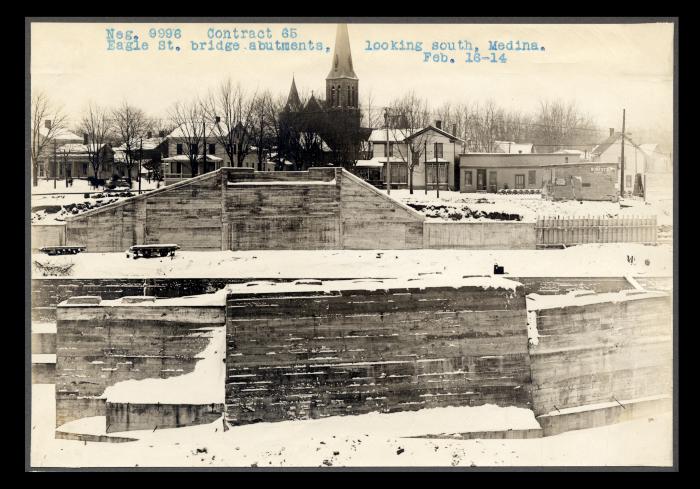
point(424, 154)
point(185, 145)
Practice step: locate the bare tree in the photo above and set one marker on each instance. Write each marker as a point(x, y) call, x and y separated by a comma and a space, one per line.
point(407, 116)
point(48, 121)
point(130, 123)
point(234, 107)
point(263, 126)
point(96, 127)
point(188, 119)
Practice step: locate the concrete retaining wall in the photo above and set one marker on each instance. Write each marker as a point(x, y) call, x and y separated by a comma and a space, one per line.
point(238, 209)
point(317, 354)
point(47, 235)
point(601, 352)
point(479, 235)
point(97, 347)
point(130, 417)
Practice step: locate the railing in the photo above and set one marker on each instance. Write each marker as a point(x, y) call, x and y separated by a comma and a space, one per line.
point(567, 231)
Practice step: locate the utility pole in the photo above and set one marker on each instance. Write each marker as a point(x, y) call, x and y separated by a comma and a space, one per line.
point(386, 152)
point(204, 136)
point(437, 171)
point(55, 164)
point(140, 158)
point(425, 170)
point(622, 158)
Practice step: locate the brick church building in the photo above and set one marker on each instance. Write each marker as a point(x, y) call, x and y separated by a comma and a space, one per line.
point(326, 132)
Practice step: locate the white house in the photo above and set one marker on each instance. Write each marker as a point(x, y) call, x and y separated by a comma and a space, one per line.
point(430, 147)
point(640, 160)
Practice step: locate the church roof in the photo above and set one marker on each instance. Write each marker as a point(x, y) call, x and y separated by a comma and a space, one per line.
point(342, 57)
point(313, 105)
point(293, 100)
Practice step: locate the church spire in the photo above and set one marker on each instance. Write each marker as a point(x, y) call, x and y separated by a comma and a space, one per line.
point(342, 57)
point(293, 100)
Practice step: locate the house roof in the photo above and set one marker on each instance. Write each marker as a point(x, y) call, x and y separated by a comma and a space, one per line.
point(78, 148)
point(148, 144)
point(435, 129)
point(64, 134)
point(603, 147)
point(512, 147)
point(213, 130)
point(395, 135)
point(183, 158)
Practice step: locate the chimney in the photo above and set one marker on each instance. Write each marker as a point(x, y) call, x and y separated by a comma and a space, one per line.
point(438, 124)
point(85, 138)
point(47, 124)
point(149, 134)
point(612, 131)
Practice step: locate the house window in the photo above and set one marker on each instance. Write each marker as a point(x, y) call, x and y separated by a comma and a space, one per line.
point(519, 181)
point(85, 168)
point(438, 150)
point(176, 167)
point(391, 149)
point(468, 178)
point(179, 149)
point(194, 149)
point(628, 180)
point(41, 170)
point(212, 148)
point(399, 173)
point(532, 177)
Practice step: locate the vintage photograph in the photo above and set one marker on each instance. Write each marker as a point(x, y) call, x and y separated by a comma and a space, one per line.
point(345, 243)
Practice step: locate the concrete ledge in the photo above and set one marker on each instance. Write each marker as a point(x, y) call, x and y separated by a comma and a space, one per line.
point(595, 415)
point(131, 417)
point(62, 435)
point(489, 435)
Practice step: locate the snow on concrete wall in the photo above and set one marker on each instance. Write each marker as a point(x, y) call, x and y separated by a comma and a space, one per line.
point(330, 352)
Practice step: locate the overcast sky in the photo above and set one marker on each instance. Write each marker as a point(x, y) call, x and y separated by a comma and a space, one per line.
point(603, 67)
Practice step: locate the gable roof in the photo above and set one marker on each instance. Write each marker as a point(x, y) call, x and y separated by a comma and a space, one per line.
point(430, 127)
point(63, 134)
point(603, 147)
point(213, 131)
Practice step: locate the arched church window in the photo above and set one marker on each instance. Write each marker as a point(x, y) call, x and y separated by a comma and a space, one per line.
point(333, 95)
point(349, 99)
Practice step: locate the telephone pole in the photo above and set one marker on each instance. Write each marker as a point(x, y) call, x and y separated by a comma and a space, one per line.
point(386, 152)
point(622, 158)
point(55, 164)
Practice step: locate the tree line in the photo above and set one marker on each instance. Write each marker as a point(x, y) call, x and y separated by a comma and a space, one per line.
point(245, 122)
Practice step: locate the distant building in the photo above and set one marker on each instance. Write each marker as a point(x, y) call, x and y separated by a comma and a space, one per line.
point(490, 172)
point(511, 147)
point(147, 149)
point(60, 138)
point(73, 160)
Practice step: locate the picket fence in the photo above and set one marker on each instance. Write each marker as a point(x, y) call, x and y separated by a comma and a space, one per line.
point(567, 231)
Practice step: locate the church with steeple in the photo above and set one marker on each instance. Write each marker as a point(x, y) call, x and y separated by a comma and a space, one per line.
point(326, 132)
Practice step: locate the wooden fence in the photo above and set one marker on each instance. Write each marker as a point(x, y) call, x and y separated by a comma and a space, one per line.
point(567, 231)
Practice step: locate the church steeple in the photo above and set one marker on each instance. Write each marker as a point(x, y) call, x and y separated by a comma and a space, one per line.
point(293, 100)
point(342, 82)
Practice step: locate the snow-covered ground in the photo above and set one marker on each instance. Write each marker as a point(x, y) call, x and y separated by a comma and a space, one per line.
point(370, 440)
point(530, 206)
point(591, 260)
